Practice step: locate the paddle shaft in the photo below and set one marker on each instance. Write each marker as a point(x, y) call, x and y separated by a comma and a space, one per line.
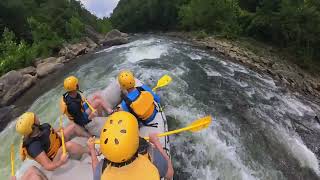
point(64, 151)
point(12, 160)
point(90, 107)
point(179, 130)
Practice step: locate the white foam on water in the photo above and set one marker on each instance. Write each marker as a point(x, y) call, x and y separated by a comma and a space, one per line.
point(194, 56)
point(294, 106)
point(210, 71)
point(131, 44)
point(298, 149)
point(136, 54)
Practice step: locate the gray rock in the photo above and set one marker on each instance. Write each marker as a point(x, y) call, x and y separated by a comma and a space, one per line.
point(13, 84)
point(5, 116)
point(46, 68)
point(115, 37)
point(29, 70)
point(93, 34)
point(49, 59)
point(91, 44)
point(73, 50)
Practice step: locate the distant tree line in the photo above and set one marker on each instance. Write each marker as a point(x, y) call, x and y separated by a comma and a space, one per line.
point(293, 25)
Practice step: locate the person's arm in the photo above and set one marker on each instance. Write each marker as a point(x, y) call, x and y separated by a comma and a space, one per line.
point(155, 141)
point(49, 165)
point(92, 150)
point(13, 178)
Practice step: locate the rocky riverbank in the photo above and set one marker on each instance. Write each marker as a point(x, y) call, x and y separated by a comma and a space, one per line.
point(16, 82)
point(263, 60)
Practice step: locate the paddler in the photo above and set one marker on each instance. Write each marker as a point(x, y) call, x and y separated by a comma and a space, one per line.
point(140, 101)
point(76, 108)
point(43, 144)
point(126, 155)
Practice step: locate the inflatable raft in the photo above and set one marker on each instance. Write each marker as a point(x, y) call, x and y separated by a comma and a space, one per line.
point(81, 169)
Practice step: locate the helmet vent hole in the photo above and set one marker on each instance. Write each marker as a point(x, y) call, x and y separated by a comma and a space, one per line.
point(120, 121)
point(104, 130)
point(111, 121)
point(116, 141)
point(123, 131)
point(106, 141)
point(123, 160)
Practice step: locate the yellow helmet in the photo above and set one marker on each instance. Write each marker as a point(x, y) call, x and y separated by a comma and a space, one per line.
point(24, 123)
point(119, 138)
point(126, 79)
point(70, 83)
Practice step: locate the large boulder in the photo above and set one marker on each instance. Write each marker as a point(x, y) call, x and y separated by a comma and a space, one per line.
point(115, 37)
point(73, 50)
point(29, 70)
point(91, 44)
point(93, 34)
point(47, 67)
point(13, 84)
point(46, 60)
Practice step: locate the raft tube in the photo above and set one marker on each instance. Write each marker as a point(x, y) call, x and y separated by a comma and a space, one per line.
point(82, 169)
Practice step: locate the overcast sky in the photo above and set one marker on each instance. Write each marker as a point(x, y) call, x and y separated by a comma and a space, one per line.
point(101, 8)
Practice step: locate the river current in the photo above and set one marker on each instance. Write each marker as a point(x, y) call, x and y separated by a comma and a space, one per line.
point(251, 137)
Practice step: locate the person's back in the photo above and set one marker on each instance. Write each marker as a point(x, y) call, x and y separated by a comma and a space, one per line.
point(127, 156)
point(140, 101)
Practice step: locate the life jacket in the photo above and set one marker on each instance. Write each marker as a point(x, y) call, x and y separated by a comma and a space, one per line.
point(137, 168)
point(142, 105)
point(74, 109)
point(54, 139)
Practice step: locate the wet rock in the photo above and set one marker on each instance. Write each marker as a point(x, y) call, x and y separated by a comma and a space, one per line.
point(48, 67)
point(13, 84)
point(115, 37)
point(5, 116)
point(29, 70)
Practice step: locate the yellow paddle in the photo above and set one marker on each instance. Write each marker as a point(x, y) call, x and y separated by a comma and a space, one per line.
point(64, 151)
point(12, 160)
point(195, 126)
point(90, 107)
point(163, 81)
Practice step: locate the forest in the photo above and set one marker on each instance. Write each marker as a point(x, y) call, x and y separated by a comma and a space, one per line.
point(38, 28)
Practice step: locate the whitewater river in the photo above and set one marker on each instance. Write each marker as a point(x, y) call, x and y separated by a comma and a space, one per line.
point(251, 137)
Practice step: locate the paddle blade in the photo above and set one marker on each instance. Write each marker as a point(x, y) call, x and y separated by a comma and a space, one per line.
point(165, 80)
point(200, 124)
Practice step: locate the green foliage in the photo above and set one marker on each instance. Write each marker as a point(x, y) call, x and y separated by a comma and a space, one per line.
point(14, 55)
point(45, 40)
point(104, 25)
point(75, 28)
point(144, 15)
point(39, 27)
point(212, 15)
